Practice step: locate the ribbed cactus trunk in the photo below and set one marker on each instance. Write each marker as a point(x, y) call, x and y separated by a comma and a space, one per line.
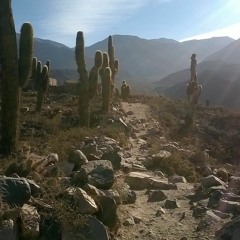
point(113, 63)
point(15, 73)
point(42, 79)
point(106, 89)
point(9, 81)
point(83, 86)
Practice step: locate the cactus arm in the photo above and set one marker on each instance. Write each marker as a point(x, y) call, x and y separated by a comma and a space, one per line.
point(25, 53)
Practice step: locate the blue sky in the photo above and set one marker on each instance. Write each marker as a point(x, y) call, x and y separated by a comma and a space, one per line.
point(60, 20)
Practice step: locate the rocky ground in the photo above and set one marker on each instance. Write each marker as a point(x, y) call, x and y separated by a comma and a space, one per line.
point(123, 191)
point(150, 219)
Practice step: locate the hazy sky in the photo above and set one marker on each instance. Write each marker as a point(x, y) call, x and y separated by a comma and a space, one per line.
point(60, 20)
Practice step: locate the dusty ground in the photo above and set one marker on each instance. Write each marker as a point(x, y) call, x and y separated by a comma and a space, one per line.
point(151, 223)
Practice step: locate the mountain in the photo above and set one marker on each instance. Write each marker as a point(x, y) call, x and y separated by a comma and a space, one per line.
point(150, 60)
point(228, 71)
point(141, 61)
point(229, 54)
point(216, 88)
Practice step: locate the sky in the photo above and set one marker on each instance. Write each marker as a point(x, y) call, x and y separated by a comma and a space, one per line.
point(60, 20)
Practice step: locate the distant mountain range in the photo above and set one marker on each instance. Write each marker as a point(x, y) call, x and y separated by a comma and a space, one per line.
point(160, 65)
point(140, 59)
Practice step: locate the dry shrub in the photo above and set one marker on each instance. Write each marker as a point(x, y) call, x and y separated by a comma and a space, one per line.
point(176, 164)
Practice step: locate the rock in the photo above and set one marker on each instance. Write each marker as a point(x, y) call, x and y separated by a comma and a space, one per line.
point(156, 196)
point(114, 157)
point(107, 213)
point(177, 179)
point(199, 211)
point(80, 200)
point(210, 181)
point(209, 219)
point(51, 228)
point(8, 230)
point(98, 173)
point(113, 194)
point(137, 180)
point(78, 158)
point(15, 191)
point(92, 229)
point(160, 184)
point(30, 220)
point(229, 206)
point(130, 198)
point(214, 199)
point(221, 215)
point(222, 173)
point(91, 190)
point(128, 222)
point(160, 212)
point(105, 148)
point(230, 230)
point(171, 204)
point(206, 170)
point(234, 182)
point(92, 148)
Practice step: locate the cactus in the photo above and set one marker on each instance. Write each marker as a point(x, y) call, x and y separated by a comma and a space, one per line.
point(113, 63)
point(87, 84)
point(41, 80)
point(193, 89)
point(125, 91)
point(15, 70)
point(93, 75)
point(106, 89)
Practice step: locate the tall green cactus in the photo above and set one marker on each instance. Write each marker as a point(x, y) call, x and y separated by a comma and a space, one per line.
point(113, 63)
point(16, 69)
point(87, 84)
point(106, 89)
point(41, 81)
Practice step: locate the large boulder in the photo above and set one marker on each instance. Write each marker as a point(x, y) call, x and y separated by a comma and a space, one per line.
point(15, 191)
point(211, 181)
point(230, 230)
point(107, 213)
point(92, 229)
point(81, 201)
point(98, 173)
point(138, 181)
point(114, 157)
point(78, 158)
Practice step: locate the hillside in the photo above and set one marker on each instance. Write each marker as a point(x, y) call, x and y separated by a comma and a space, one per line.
point(216, 88)
point(229, 54)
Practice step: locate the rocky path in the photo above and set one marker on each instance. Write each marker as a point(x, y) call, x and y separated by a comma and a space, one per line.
point(148, 217)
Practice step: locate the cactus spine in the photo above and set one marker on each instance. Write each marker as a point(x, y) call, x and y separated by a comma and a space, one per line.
point(15, 73)
point(87, 84)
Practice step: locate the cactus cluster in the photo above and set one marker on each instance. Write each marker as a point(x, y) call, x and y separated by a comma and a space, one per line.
point(15, 71)
point(107, 72)
point(40, 75)
point(87, 85)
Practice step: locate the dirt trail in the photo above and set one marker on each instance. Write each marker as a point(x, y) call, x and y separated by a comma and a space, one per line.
point(151, 224)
